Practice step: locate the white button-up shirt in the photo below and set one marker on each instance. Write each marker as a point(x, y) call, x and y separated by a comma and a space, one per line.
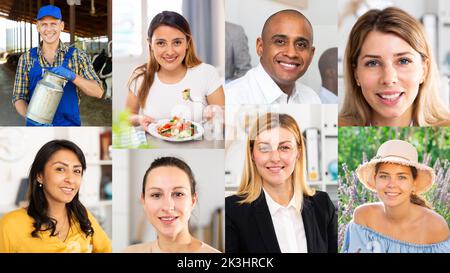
point(327, 97)
point(257, 87)
point(288, 226)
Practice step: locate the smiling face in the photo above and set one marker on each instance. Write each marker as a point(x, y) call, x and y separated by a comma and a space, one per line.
point(61, 177)
point(286, 48)
point(275, 153)
point(389, 72)
point(50, 29)
point(394, 184)
point(168, 202)
point(169, 47)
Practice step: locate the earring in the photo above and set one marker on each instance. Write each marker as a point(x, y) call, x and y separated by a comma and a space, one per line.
point(39, 185)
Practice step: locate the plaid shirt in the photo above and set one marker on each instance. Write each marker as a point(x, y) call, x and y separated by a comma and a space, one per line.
point(79, 63)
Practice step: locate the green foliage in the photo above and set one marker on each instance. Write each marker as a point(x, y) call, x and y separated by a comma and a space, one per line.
point(124, 133)
point(356, 141)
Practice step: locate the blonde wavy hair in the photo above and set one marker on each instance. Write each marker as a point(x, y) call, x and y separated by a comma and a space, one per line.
point(428, 110)
point(148, 70)
point(251, 182)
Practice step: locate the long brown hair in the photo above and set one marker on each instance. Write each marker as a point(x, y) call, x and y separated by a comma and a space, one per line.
point(148, 70)
point(251, 182)
point(427, 107)
point(39, 207)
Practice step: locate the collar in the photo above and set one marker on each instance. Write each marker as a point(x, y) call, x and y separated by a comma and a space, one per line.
point(61, 48)
point(271, 91)
point(274, 207)
point(326, 91)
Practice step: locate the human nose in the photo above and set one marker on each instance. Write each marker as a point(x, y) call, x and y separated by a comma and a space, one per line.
point(168, 203)
point(391, 183)
point(170, 49)
point(389, 76)
point(70, 177)
point(291, 51)
point(274, 155)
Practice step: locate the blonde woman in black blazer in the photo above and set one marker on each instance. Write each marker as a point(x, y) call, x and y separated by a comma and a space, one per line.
point(273, 185)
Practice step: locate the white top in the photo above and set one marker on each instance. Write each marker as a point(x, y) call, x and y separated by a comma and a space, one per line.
point(166, 100)
point(288, 226)
point(327, 96)
point(257, 87)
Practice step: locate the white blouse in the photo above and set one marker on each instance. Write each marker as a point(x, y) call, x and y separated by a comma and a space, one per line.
point(288, 225)
point(166, 100)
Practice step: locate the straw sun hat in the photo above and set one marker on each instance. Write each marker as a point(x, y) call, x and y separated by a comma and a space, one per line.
point(398, 152)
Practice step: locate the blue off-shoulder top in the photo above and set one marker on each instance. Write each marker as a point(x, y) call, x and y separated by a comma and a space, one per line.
point(361, 239)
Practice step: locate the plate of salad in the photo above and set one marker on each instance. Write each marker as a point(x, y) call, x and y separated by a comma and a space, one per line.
point(176, 129)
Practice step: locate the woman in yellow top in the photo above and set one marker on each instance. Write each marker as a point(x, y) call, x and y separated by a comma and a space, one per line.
point(55, 220)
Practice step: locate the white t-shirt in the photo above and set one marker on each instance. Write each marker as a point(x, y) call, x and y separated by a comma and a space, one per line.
point(166, 100)
point(257, 87)
point(288, 225)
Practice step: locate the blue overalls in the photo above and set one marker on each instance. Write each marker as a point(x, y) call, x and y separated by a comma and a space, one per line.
point(67, 113)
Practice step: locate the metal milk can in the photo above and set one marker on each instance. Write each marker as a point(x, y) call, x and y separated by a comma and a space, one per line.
point(46, 98)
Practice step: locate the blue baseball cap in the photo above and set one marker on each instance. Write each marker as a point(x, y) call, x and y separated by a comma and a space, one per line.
point(49, 10)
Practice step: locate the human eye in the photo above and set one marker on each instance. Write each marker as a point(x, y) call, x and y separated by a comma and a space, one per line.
point(372, 63)
point(382, 176)
point(301, 44)
point(155, 195)
point(402, 177)
point(285, 148)
point(404, 61)
point(160, 43)
point(279, 41)
point(178, 194)
point(264, 148)
point(78, 171)
point(59, 169)
point(178, 42)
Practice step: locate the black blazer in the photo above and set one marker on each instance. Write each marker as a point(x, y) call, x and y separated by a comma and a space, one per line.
point(249, 227)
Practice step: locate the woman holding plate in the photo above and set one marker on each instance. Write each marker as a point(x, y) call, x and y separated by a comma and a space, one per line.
point(174, 81)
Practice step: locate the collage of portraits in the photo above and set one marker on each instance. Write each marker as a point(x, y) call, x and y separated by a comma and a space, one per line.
point(224, 126)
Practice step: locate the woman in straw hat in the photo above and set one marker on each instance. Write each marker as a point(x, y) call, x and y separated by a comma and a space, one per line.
point(403, 221)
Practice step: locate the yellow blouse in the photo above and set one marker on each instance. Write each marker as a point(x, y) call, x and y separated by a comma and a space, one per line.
point(15, 236)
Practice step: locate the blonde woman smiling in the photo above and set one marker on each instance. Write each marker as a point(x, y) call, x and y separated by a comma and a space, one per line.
point(274, 210)
point(390, 74)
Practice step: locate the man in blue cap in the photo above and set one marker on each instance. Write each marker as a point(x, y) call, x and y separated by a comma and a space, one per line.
point(69, 62)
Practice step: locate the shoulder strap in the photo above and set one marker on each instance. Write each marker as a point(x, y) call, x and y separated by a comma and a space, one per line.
point(34, 56)
point(68, 56)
